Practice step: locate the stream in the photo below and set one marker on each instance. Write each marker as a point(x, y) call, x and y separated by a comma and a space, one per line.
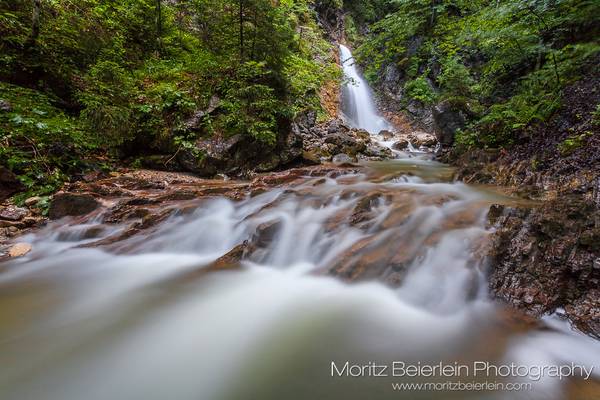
point(379, 264)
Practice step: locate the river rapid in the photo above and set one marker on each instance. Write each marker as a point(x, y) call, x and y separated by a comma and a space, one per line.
point(378, 265)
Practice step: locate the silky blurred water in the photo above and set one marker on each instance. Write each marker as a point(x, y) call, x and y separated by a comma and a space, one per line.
point(87, 323)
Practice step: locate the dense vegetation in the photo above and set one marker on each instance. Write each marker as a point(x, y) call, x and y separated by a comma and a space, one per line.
point(85, 82)
point(502, 63)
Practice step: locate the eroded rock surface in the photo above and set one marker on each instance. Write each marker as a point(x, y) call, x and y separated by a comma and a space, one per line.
point(548, 258)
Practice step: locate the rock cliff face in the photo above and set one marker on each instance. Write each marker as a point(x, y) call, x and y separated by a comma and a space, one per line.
point(546, 257)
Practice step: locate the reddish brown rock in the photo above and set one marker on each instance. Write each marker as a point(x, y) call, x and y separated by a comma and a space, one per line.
point(72, 204)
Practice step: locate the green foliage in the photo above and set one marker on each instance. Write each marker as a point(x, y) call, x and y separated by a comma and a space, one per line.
point(38, 141)
point(419, 89)
point(573, 142)
point(251, 106)
point(122, 79)
point(503, 62)
point(455, 79)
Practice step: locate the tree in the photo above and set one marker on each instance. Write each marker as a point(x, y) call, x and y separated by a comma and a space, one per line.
point(35, 23)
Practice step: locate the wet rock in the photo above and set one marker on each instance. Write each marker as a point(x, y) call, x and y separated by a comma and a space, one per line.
point(419, 139)
point(447, 120)
point(19, 250)
point(9, 184)
point(342, 159)
point(231, 260)
point(266, 232)
point(363, 208)
point(386, 135)
point(377, 152)
point(345, 143)
point(544, 258)
point(400, 144)
point(32, 201)
point(239, 154)
point(72, 204)
point(13, 213)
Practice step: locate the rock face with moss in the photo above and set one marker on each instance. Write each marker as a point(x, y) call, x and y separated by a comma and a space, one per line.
point(546, 256)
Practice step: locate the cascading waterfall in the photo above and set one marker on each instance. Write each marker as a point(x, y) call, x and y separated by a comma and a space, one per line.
point(149, 319)
point(357, 100)
point(142, 324)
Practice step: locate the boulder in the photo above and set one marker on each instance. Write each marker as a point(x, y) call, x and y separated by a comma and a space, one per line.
point(419, 139)
point(237, 155)
point(344, 143)
point(377, 151)
point(400, 144)
point(72, 204)
point(386, 135)
point(361, 134)
point(12, 213)
point(447, 120)
point(19, 250)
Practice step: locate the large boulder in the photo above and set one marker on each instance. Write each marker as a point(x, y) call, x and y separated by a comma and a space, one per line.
point(239, 154)
point(447, 120)
point(419, 139)
point(400, 144)
point(72, 204)
point(345, 143)
point(377, 152)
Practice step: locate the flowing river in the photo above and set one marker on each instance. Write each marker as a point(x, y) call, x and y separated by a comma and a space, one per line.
point(373, 265)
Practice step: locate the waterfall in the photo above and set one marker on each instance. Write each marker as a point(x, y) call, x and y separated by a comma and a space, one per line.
point(357, 99)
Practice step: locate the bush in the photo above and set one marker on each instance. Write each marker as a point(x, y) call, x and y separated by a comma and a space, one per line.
point(39, 142)
point(420, 90)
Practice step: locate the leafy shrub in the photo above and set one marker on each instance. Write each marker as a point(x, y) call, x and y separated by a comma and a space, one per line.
point(420, 90)
point(39, 142)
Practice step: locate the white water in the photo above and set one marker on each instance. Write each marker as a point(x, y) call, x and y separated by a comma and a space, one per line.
point(357, 100)
point(87, 324)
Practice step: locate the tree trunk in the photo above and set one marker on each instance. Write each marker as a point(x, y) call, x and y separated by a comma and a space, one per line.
point(35, 23)
point(241, 16)
point(159, 23)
